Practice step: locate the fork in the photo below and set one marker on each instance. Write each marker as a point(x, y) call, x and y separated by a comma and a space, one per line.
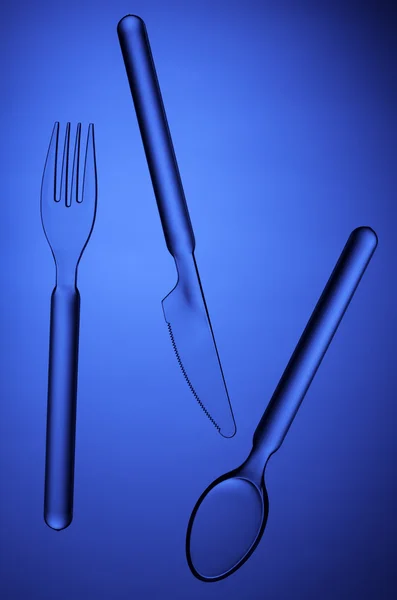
point(68, 219)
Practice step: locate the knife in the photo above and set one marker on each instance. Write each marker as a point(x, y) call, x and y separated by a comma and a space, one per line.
point(185, 309)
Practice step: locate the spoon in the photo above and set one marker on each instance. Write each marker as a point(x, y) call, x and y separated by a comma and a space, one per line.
point(229, 518)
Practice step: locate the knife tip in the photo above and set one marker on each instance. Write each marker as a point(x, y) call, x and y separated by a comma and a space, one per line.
point(228, 433)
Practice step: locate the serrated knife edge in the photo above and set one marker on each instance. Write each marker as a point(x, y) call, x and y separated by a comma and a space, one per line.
point(188, 380)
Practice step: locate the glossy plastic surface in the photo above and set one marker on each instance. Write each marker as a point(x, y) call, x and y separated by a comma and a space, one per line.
point(185, 309)
point(212, 554)
point(68, 219)
point(156, 135)
point(230, 500)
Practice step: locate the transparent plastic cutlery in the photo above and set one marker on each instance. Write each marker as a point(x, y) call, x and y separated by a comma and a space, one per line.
point(68, 219)
point(229, 518)
point(185, 309)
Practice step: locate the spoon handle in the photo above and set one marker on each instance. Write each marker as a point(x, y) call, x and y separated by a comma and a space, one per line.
point(314, 341)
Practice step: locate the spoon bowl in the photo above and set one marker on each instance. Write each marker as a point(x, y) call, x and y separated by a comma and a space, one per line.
point(215, 547)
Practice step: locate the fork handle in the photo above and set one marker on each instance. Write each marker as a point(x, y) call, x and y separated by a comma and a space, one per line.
point(156, 137)
point(61, 408)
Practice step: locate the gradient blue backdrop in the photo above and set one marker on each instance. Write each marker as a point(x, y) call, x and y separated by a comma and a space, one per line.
point(283, 116)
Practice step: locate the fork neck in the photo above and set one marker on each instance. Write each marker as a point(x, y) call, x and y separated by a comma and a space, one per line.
point(66, 275)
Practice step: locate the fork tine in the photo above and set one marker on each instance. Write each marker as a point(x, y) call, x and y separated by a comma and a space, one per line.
point(74, 193)
point(63, 197)
point(48, 184)
point(90, 172)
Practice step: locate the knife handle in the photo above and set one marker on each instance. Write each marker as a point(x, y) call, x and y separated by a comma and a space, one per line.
point(156, 135)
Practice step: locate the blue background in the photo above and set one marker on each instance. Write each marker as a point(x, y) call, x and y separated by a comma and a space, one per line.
point(283, 116)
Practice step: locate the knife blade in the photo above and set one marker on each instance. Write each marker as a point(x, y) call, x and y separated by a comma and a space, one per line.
point(184, 308)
